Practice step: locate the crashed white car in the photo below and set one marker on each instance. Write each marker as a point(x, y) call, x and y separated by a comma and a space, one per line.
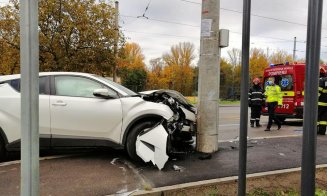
point(86, 110)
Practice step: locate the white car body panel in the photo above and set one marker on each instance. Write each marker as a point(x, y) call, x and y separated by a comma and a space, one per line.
point(152, 145)
point(10, 113)
point(86, 117)
point(135, 107)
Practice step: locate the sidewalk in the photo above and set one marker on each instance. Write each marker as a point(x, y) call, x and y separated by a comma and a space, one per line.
point(263, 155)
point(111, 172)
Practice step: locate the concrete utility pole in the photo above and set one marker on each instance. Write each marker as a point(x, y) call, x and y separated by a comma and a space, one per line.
point(208, 121)
point(294, 50)
point(29, 61)
point(116, 40)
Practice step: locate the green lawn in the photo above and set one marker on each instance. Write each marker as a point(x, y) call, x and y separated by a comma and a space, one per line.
point(194, 101)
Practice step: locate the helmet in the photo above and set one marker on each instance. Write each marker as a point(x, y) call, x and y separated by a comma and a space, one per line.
point(256, 80)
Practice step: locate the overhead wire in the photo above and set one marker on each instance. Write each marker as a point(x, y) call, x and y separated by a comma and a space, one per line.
point(256, 15)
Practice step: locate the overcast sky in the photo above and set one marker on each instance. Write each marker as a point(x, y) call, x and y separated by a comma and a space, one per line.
point(172, 21)
point(184, 18)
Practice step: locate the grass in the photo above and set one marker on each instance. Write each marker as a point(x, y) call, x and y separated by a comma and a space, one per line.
point(194, 101)
point(262, 192)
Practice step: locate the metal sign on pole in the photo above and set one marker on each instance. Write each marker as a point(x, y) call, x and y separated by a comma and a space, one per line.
point(29, 61)
point(244, 97)
point(311, 98)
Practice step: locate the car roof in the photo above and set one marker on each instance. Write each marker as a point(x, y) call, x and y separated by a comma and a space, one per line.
point(16, 76)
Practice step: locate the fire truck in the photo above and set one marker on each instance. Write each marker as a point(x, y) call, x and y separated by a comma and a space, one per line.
point(290, 78)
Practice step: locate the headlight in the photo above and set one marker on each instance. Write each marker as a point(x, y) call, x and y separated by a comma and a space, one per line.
point(171, 101)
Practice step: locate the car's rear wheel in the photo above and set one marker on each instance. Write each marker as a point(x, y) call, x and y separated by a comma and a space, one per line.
point(132, 136)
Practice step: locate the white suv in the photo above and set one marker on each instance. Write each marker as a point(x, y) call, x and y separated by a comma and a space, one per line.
point(86, 110)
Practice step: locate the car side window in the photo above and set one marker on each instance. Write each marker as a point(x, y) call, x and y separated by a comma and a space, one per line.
point(43, 88)
point(75, 86)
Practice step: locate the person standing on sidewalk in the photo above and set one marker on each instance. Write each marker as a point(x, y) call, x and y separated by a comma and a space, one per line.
point(256, 99)
point(322, 103)
point(274, 99)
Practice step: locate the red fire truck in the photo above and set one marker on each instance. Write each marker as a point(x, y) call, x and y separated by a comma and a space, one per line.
point(290, 78)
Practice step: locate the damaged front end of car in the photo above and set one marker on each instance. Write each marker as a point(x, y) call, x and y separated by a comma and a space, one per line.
point(169, 136)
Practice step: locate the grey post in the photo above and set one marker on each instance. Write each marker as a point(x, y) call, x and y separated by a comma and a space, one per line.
point(294, 50)
point(29, 61)
point(244, 97)
point(311, 98)
point(208, 121)
point(114, 75)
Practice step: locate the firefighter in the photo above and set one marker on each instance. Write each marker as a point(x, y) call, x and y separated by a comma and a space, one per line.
point(322, 103)
point(256, 99)
point(273, 99)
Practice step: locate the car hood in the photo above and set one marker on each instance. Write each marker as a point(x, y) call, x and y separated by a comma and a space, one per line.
point(174, 94)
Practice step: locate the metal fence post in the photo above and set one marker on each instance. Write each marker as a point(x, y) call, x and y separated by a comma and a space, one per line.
point(29, 61)
point(244, 97)
point(311, 98)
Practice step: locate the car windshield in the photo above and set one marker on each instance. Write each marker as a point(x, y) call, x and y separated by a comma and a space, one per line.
point(120, 87)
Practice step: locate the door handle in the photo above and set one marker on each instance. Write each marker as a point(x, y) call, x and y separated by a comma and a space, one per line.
point(59, 103)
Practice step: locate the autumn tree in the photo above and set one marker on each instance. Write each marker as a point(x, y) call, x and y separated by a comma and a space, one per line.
point(74, 35)
point(132, 68)
point(179, 71)
point(155, 79)
point(258, 62)
point(280, 56)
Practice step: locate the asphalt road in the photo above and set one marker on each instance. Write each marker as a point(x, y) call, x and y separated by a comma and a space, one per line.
point(229, 126)
point(110, 171)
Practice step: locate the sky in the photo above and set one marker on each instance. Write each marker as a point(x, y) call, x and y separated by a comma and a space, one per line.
point(274, 24)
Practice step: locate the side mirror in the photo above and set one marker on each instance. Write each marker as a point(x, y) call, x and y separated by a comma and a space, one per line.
point(103, 93)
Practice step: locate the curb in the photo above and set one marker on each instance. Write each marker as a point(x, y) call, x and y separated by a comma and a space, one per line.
point(225, 180)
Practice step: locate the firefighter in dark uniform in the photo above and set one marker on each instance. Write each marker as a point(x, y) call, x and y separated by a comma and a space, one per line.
point(322, 103)
point(256, 98)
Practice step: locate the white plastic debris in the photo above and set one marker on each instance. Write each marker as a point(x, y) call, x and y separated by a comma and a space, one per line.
point(178, 168)
point(152, 146)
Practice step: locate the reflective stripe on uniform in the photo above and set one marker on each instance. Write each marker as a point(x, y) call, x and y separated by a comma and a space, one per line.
point(256, 92)
point(322, 103)
point(322, 123)
point(256, 99)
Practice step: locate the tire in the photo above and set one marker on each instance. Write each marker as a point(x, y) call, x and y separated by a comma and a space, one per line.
point(132, 136)
point(2, 150)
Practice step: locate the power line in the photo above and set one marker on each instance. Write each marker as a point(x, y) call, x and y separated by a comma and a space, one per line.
point(164, 21)
point(146, 9)
point(184, 24)
point(161, 34)
point(256, 15)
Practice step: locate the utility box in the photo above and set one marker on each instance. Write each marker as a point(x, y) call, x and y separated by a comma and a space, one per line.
point(223, 38)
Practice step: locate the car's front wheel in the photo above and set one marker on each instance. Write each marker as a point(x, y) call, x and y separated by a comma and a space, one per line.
point(2, 150)
point(132, 137)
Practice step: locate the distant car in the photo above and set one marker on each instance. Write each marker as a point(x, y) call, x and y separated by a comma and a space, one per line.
point(86, 110)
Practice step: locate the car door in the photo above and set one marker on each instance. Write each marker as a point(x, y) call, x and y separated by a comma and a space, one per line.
point(11, 112)
point(78, 118)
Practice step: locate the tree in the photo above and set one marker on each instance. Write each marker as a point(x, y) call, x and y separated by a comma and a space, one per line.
point(179, 71)
point(131, 67)
point(75, 35)
point(280, 57)
point(155, 78)
point(258, 62)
